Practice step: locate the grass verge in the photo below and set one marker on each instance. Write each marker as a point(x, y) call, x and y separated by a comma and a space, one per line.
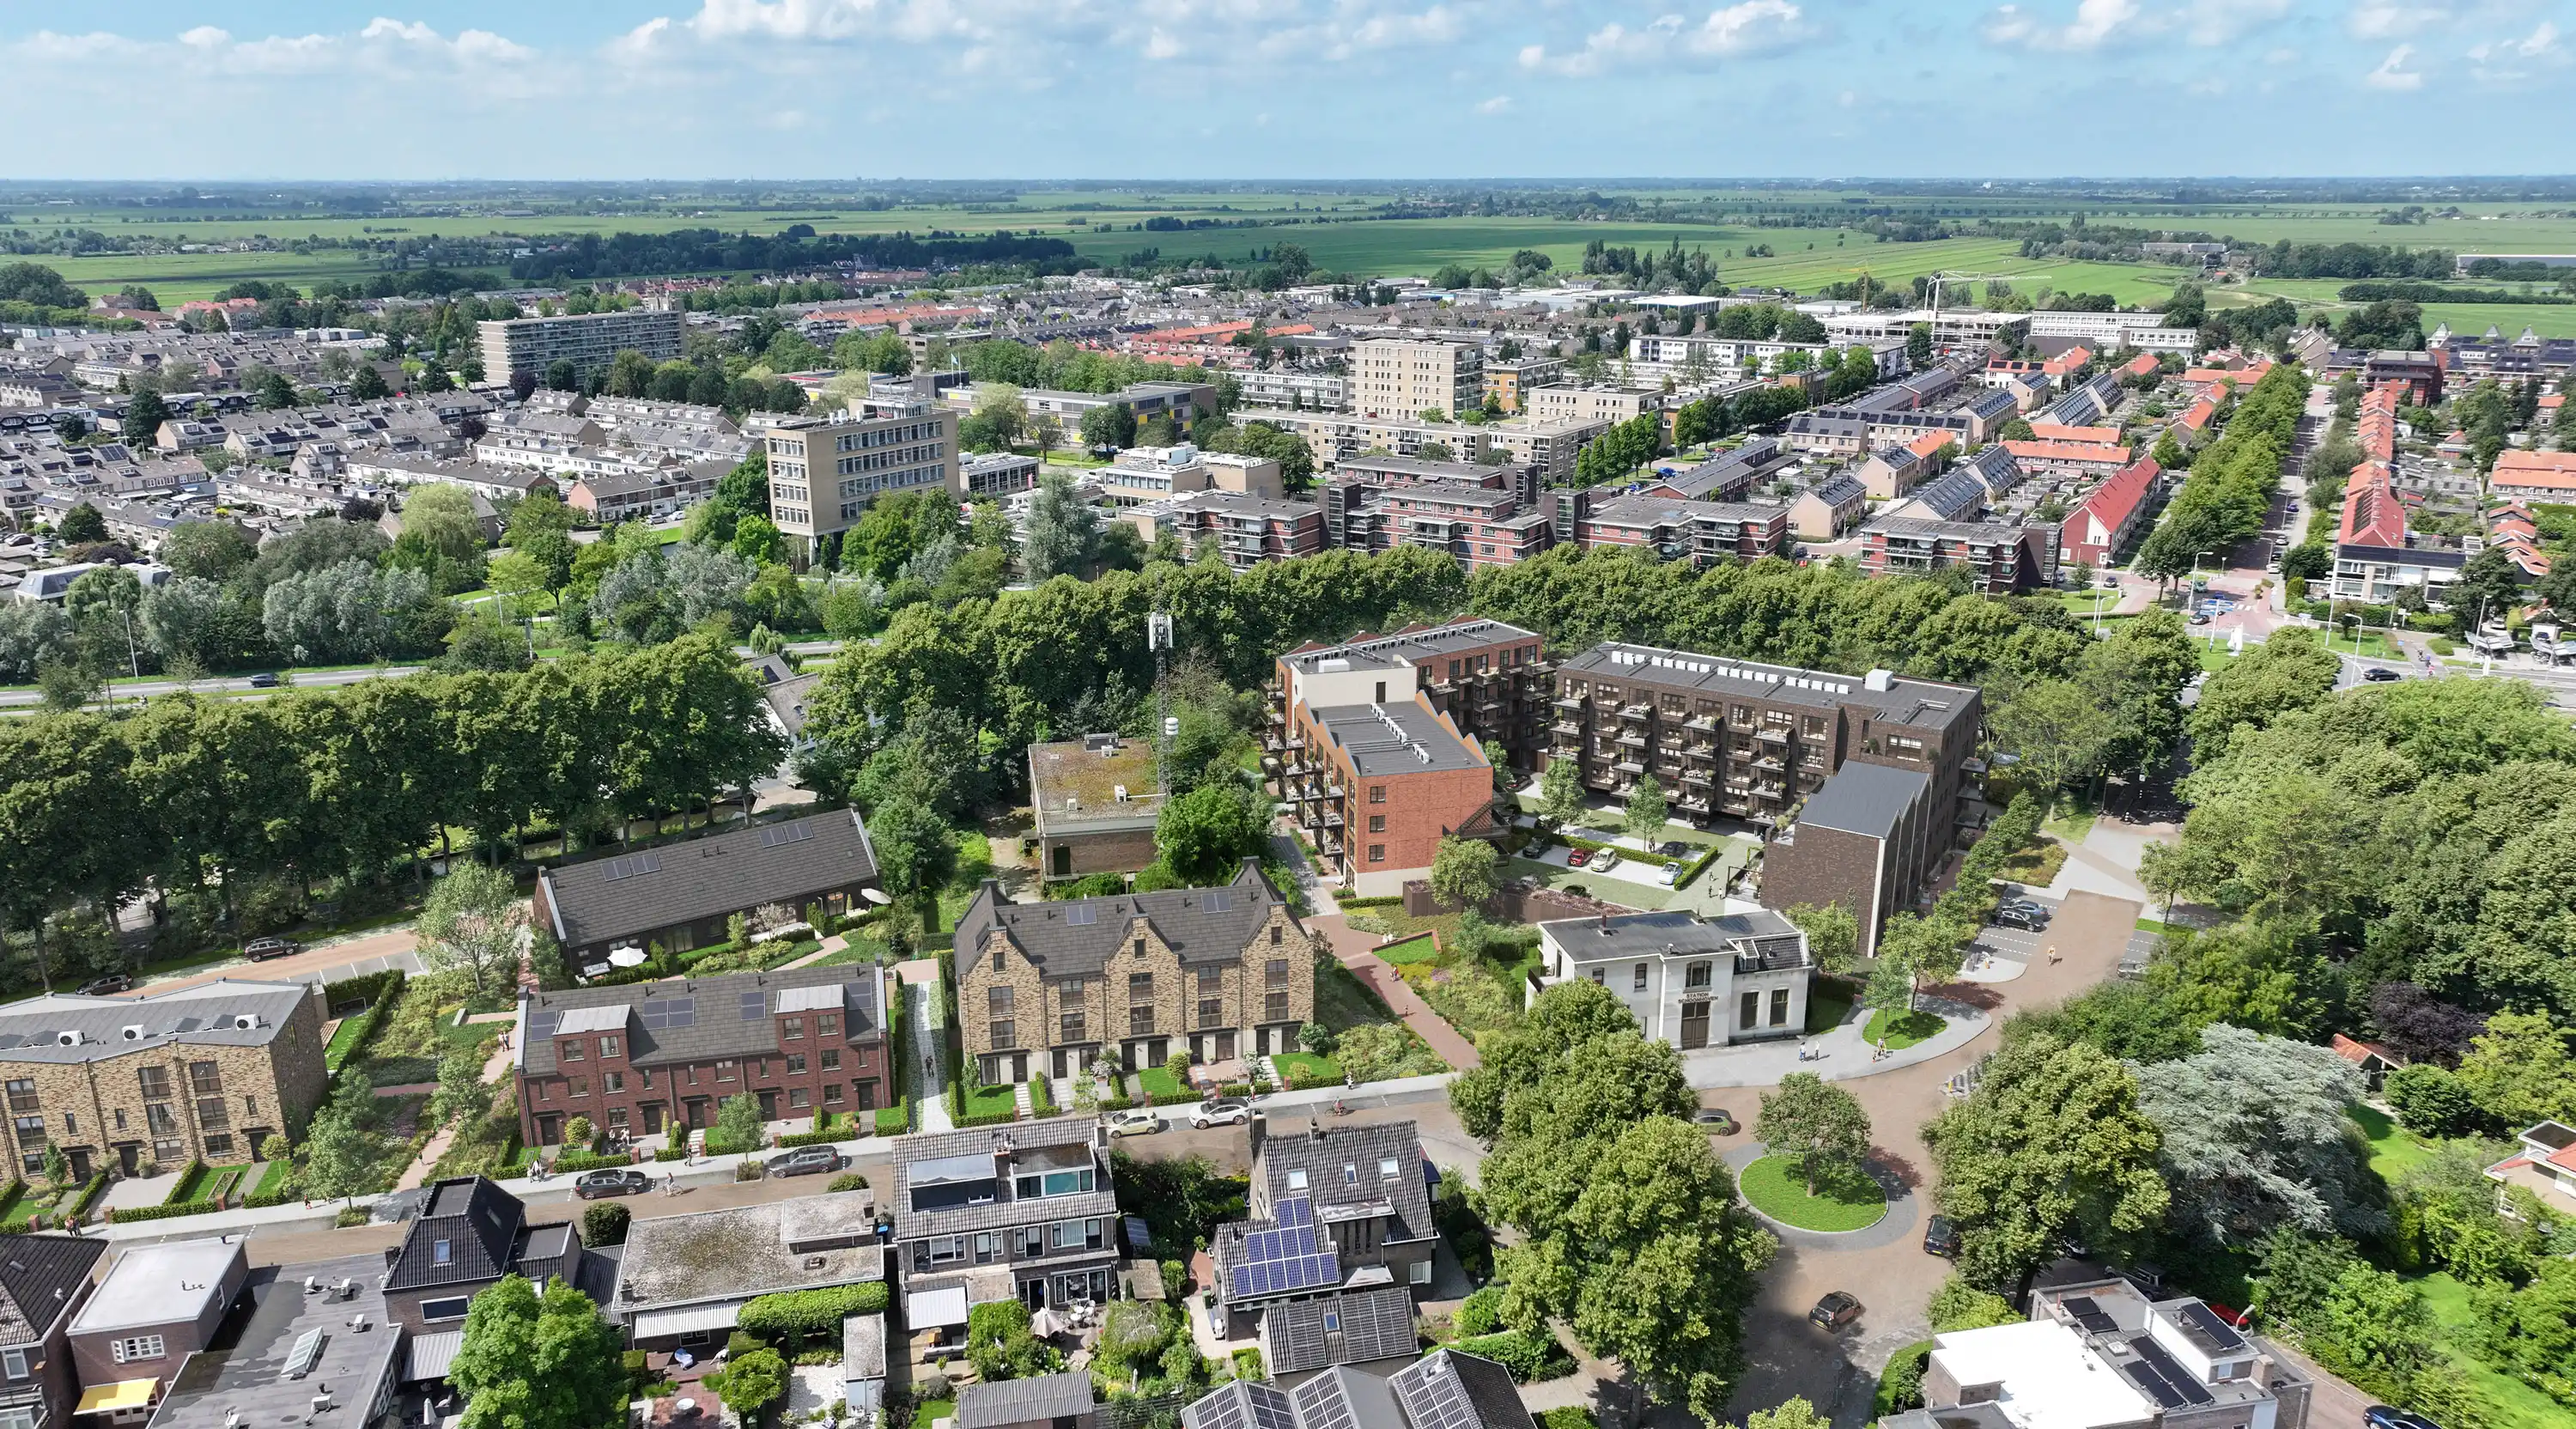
point(1845, 1200)
point(1895, 1029)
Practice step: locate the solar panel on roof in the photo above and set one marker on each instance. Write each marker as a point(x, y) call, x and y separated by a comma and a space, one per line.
point(1288, 1258)
point(2223, 1338)
point(775, 835)
point(648, 863)
point(2184, 1382)
point(754, 1006)
point(542, 1024)
point(2145, 1377)
point(1322, 1405)
point(1220, 900)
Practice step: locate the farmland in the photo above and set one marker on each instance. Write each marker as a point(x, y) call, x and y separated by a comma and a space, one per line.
point(1340, 234)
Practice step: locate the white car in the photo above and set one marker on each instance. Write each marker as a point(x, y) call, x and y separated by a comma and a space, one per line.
point(1604, 861)
point(1671, 875)
point(1142, 1121)
point(1223, 1112)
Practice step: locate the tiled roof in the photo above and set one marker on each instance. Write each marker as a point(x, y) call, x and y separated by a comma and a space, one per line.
point(1355, 1327)
point(1075, 937)
point(1342, 1166)
point(475, 1221)
point(695, 1019)
point(40, 1277)
point(1451, 1390)
point(599, 899)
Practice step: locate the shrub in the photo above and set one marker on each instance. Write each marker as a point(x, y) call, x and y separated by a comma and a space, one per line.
point(1479, 1314)
point(750, 1383)
point(1176, 1280)
point(791, 1318)
point(605, 1224)
point(1529, 1357)
point(847, 1181)
point(1901, 1387)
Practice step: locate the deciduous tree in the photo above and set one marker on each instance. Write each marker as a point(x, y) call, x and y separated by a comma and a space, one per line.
point(1821, 1126)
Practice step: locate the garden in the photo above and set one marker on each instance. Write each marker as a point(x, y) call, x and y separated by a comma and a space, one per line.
point(1355, 1037)
point(1469, 969)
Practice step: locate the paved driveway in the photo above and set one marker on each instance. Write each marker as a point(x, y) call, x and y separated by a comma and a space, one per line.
point(330, 962)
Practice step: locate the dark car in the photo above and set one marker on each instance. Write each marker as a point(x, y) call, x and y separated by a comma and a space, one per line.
point(807, 1161)
point(1717, 1119)
point(1834, 1311)
point(1675, 848)
point(1940, 1237)
point(263, 681)
point(2020, 918)
point(2383, 1416)
point(101, 986)
point(2381, 674)
point(260, 950)
point(595, 1184)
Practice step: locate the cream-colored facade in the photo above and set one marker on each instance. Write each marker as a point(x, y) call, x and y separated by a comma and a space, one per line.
point(825, 470)
point(1399, 377)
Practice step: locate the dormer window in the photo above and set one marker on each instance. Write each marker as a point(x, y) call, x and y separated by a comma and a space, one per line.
point(1350, 1173)
point(1297, 1180)
point(1386, 1168)
point(442, 1252)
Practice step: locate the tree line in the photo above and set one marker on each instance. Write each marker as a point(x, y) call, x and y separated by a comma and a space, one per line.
point(2229, 490)
point(627, 254)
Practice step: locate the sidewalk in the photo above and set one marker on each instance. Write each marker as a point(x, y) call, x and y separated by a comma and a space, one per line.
point(1846, 1054)
point(920, 978)
point(1354, 949)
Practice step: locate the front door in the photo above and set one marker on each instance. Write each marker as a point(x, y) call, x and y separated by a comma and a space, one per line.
point(769, 1106)
point(1694, 1025)
point(80, 1163)
point(652, 1118)
point(1019, 1068)
point(1225, 1045)
point(125, 1158)
point(697, 1113)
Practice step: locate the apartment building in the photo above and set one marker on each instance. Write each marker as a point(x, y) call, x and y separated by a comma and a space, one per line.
point(2098, 1354)
point(1346, 1206)
point(1701, 532)
point(1026, 1210)
point(1741, 976)
point(1509, 380)
point(1771, 745)
point(1733, 354)
point(2084, 461)
point(1485, 677)
point(1337, 436)
point(1142, 474)
point(1377, 772)
point(1403, 377)
point(1482, 515)
point(641, 1058)
point(1296, 388)
point(1608, 406)
point(589, 341)
point(825, 470)
point(1546, 447)
point(1246, 530)
point(2001, 557)
point(1827, 509)
point(1049, 988)
point(202, 1073)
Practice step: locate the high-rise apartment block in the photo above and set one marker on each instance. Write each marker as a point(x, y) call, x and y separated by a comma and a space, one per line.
point(590, 341)
point(824, 470)
point(1401, 377)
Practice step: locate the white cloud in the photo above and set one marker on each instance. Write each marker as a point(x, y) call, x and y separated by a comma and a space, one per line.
point(1495, 105)
point(2541, 43)
point(2095, 22)
point(2392, 72)
point(2218, 22)
point(1159, 44)
point(2389, 19)
point(2100, 22)
point(1747, 27)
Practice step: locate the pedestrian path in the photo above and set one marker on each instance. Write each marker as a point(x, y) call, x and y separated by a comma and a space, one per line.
point(495, 1067)
point(921, 1004)
point(1353, 949)
point(1837, 1054)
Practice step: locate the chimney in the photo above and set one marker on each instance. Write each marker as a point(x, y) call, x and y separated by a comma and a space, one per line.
point(1604, 922)
point(1253, 1132)
point(1315, 1128)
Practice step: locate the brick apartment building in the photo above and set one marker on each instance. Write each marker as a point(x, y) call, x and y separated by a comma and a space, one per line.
point(1702, 532)
point(1376, 769)
point(1048, 988)
point(203, 1073)
point(2002, 557)
point(1245, 530)
point(1768, 744)
point(646, 1057)
point(1482, 515)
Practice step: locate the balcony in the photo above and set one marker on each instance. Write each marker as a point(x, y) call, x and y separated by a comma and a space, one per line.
point(1637, 712)
point(1694, 776)
point(1332, 820)
point(1571, 704)
point(1701, 724)
point(1632, 739)
point(1629, 767)
point(1772, 734)
point(1768, 765)
point(1571, 729)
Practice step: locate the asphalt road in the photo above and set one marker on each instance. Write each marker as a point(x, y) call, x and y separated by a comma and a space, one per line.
point(130, 689)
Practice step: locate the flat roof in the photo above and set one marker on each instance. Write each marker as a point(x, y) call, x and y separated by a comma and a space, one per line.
point(1397, 739)
point(746, 1250)
point(247, 1369)
point(2051, 1379)
point(1669, 933)
point(1905, 701)
point(1075, 784)
point(158, 1285)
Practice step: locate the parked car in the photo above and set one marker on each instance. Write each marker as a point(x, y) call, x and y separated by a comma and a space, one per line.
point(2383, 1416)
point(1142, 1121)
point(1940, 1237)
point(1834, 1311)
point(1675, 848)
point(2200, 617)
point(1580, 858)
point(1717, 1119)
point(2020, 918)
point(2027, 905)
point(1604, 861)
point(2380, 674)
point(611, 1182)
point(260, 950)
point(807, 1161)
point(1221, 1111)
point(101, 986)
point(1669, 874)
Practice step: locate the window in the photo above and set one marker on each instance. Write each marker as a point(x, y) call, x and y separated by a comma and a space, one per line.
point(205, 1078)
point(250, 1106)
point(608, 1046)
point(831, 1059)
point(1274, 1007)
point(797, 1097)
point(1140, 1021)
point(947, 1249)
point(1211, 1011)
point(442, 1252)
point(997, 957)
point(71, 1124)
point(792, 1028)
point(571, 1050)
point(140, 1347)
point(1750, 1010)
point(1377, 793)
point(451, 1309)
point(724, 1072)
point(169, 1149)
point(17, 1417)
point(1211, 981)
point(580, 1087)
point(1274, 973)
point(611, 1083)
point(119, 1114)
point(1070, 989)
point(1600, 977)
point(212, 1114)
point(1420, 1273)
point(831, 1093)
point(795, 1064)
point(617, 1118)
point(1637, 980)
point(1903, 747)
point(1386, 1168)
point(22, 1094)
point(828, 1025)
point(1696, 975)
point(155, 1082)
point(1072, 1026)
point(1377, 823)
point(1296, 1179)
point(1779, 1006)
point(219, 1143)
point(1274, 935)
point(1377, 853)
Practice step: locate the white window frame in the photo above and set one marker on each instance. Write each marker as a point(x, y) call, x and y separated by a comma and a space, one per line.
point(1419, 1273)
point(137, 1347)
point(14, 1363)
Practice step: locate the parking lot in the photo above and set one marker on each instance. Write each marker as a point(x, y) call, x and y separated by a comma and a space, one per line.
point(2005, 950)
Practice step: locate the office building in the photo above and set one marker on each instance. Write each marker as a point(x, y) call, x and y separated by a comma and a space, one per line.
point(589, 341)
point(1403, 377)
point(824, 470)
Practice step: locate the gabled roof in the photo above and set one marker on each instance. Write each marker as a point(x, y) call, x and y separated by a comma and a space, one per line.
point(472, 1223)
point(1354, 1327)
point(1864, 799)
point(1450, 1390)
point(1343, 1168)
point(697, 1019)
point(629, 895)
point(41, 1276)
point(1023, 1401)
point(2119, 494)
point(1075, 937)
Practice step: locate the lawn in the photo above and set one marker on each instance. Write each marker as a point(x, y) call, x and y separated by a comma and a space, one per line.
point(2037, 866)
point(1901, 1029)
point(2393, 1149)
point(1420, 948)
point(1609, 890)
point(987, 1101)
point(927, 1413)
point(1845, 1200)
point(2518, 1405)
point(1161, 1087)
point(345, 1039)
point(2370, 644)
point(1342, 1001)
point(1296, 1067)
point(1829, 1001)
point(2071, 817)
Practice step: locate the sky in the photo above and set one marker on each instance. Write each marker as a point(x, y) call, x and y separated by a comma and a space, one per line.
point(1276, 89)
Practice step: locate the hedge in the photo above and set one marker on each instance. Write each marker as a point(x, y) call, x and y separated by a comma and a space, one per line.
point(836, 1132)
point(893, 1121)
point(1350, 903)
point(1529, 1357)
point(367, 987)
point(1699, 866)
point(122, 1214)
point(183, 1192)
point(389, 990)
point(88, 1197)
point(567, 1165)
point(1041, 1096)
point(791, 1317)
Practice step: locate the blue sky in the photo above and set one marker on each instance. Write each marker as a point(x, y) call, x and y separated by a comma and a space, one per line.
point(1162, 89)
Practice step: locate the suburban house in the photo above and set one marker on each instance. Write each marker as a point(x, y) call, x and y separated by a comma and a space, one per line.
point(1829, 508)
point(640, 1058)
point(1374, 1326)
point(678, 896)
point(1049, 1401)
point(682, 1280)
point(1096, 800)
point(2110, 517)
point(1446, 1389)
point(1738, 977)
point(2100, 1354)
point(467, 1236)
point(1332, 1211)
point(44, 1284)
point(202, 1073)
point(1048, 988)
point(2544, 1164)
point(309, 1344)
point(1023, 1212)
point(157, 1305)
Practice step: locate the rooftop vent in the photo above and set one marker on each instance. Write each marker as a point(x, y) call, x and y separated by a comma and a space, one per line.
point(133, 1032)
point(1879, 680)
point(246, 1021)
point(69, 1039)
